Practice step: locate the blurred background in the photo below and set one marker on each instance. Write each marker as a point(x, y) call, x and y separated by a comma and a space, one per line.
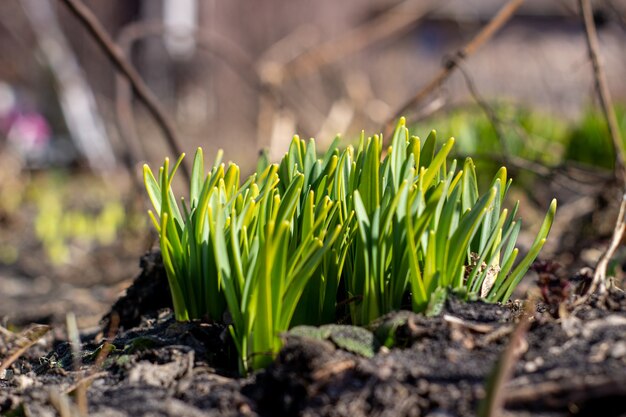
point(244, 77)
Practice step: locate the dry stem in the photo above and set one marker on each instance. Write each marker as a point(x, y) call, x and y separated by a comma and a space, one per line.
point(117, 58)
point(599, 282)
point(503, 16)
point(602, 88)
point(493, 404)
point(228, 52)
point(599, 277)
point(396, 20)
point(26, 339)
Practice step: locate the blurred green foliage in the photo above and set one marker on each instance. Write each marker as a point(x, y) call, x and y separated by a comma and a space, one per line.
point(74, 216)
point(531, 134)
point(588, 142)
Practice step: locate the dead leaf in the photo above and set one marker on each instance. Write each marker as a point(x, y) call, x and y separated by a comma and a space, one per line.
point(23, 341)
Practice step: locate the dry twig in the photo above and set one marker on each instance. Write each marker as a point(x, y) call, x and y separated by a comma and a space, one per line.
point(227, 51)
point(599, 282)
point(73, 337)
point(565, 391)
point(599, 278)
point(394, 21)
point(62, 404)
point(602, 88)
point(491, 114)
point(117, 58)
point(493, 403)
point(25, 340)
point(486, 33)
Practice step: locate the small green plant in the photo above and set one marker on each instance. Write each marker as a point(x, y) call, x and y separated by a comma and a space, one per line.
point(250, 248)
point(274, 251)
point(589, 142)
point(59, 226)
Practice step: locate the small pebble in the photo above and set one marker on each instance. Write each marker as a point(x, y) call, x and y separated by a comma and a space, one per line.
point(530, 367)
point(384, 372)
point(619, 350)
point(533, 365)
point(599, 352)
point(24, 382)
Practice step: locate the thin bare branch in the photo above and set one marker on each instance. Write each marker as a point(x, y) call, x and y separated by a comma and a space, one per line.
point(73, 337)
point(599, 282)
point(599, 278)
point(503, 16)
point(227, 51)
point(25, 340)
point(117, 58)
point(394, 21)
point(491, 114)
point(493, 403)
point(602, 88)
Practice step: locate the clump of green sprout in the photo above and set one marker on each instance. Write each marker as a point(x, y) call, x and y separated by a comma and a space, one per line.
point(58, 226)
point(275, 251)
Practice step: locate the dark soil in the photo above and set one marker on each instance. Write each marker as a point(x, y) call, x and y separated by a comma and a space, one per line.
point(574, 365)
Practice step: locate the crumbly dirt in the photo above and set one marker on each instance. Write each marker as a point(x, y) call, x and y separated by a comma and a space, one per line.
point(573, 365)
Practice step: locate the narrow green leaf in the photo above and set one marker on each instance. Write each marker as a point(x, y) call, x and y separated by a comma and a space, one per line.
point(520, 270)
point(463, 235)
point(433, 168)
point(428, 150)
point(153, 189)
point(197, 177)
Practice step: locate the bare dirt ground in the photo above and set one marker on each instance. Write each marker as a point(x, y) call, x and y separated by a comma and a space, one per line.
point(573, 365)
